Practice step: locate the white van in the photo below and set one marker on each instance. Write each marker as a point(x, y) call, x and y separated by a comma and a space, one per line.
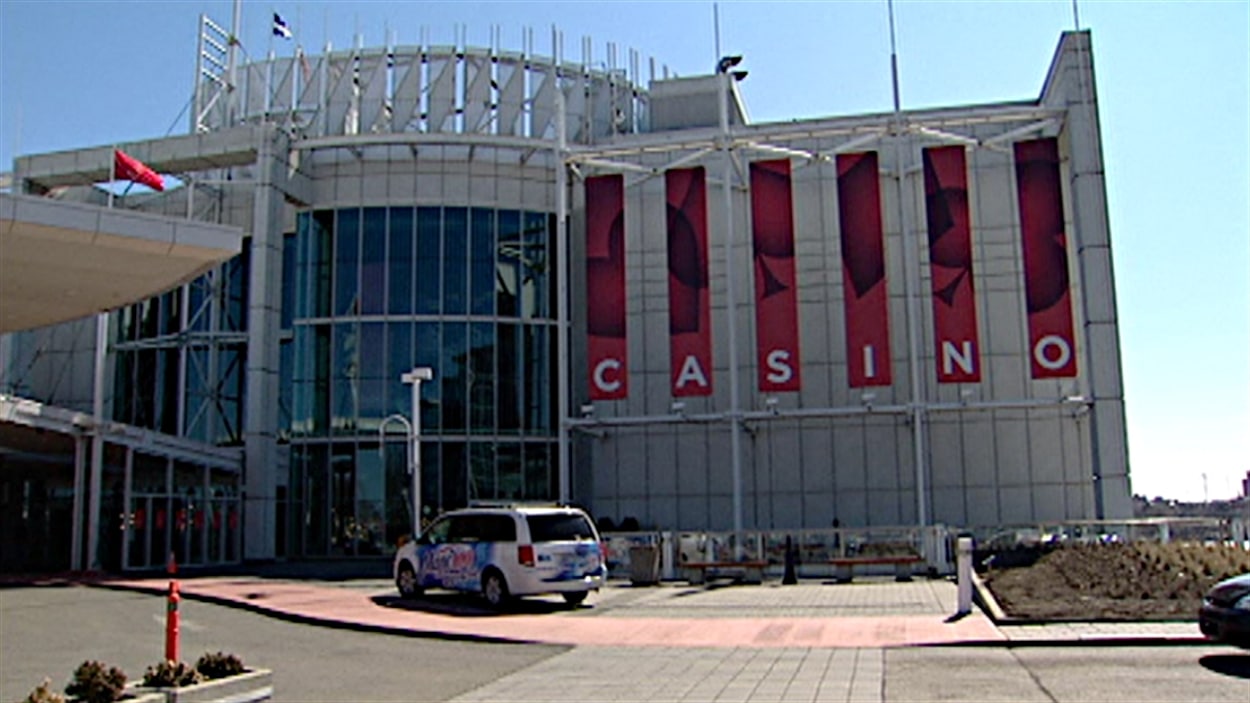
point(504, 553)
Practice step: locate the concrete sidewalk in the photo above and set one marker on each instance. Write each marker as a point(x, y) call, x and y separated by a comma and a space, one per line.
point(869, 613)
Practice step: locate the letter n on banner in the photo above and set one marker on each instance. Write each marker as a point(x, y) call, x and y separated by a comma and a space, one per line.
point(689, 299)
point(1051, 341)
point(605, 286)
point(776, 301)
point(950, 265)
point(865, 299)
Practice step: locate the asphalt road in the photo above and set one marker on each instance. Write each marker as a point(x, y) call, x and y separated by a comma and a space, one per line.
point(49, 631)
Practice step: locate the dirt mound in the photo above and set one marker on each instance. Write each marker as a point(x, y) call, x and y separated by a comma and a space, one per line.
point(1138, 581)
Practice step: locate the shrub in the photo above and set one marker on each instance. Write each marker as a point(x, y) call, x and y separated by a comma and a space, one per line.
point(219, 665)
point(171, 674)
point(44, 694)
point(95, 684)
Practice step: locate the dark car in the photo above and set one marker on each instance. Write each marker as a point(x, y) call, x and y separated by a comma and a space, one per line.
point(1225, 613)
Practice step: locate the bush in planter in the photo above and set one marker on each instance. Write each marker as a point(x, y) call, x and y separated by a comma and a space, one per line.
point(93, 683)
point(44, 694)
point(219, 665)
point(171, 674)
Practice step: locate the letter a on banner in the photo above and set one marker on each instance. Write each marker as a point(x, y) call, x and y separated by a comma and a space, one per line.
point(1052, 347)
point(950, 265)
point(605, 285)
point(864, 292)
point(776, 301)
point(689, 299)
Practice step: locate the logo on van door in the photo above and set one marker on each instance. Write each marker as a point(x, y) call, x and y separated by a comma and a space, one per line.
point(455, 565)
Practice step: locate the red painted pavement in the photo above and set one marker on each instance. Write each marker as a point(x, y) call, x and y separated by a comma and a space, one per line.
point(354, 607)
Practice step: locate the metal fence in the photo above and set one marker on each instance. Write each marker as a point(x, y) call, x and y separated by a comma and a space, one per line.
point(814, 550)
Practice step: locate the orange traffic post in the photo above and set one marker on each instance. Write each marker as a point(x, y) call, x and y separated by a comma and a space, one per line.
point(172, 623)
point(171, 613)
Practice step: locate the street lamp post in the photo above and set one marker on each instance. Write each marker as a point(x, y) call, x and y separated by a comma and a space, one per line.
point(416, 523)
point(415, 377)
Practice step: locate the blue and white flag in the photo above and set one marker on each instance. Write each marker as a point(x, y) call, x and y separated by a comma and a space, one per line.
point(279, 27)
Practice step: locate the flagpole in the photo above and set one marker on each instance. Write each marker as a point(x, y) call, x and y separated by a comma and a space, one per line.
point(95, 479)
point(911, 250)
point(112, 174)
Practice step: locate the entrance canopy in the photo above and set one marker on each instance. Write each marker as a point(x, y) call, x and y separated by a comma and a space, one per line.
point(61, 261)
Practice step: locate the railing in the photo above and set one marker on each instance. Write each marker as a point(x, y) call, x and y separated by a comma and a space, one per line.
point(816, 548)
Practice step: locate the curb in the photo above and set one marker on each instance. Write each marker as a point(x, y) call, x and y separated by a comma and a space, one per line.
point(1118, 641)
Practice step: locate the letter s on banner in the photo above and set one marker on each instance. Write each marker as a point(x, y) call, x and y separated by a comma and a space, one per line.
point(776, 292)
point(779, 369)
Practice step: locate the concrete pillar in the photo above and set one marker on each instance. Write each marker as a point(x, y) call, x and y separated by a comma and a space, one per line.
point(260, 415)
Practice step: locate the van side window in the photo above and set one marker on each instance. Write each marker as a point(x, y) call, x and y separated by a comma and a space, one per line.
point(498, 528)
point(464, 528)
point(437, 533)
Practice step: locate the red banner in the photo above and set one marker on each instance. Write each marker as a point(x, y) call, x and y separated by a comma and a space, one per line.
point(776, 301)
point(950, 265)
point(865, 298)
point(689, 300)
point(1052, 348)
point(605, 287)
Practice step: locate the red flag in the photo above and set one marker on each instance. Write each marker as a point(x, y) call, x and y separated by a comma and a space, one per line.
point(128, 168)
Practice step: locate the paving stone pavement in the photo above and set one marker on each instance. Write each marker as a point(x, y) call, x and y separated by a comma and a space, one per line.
point(699, 675)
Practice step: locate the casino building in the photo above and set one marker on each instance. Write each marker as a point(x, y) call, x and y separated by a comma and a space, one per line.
point(624, 294)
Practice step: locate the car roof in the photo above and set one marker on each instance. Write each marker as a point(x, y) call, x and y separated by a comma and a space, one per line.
point(515, 509)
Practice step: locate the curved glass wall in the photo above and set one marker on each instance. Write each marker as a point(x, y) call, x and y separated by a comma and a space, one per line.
point(377, 291)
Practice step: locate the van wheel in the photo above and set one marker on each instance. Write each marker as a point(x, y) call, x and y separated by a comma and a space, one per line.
point(574, 597)
point(406, 582)
point(495, 589)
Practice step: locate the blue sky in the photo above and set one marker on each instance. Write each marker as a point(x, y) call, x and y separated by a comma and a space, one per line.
point(1174, 92)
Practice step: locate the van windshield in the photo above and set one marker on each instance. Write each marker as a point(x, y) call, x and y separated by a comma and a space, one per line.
point(560, 527)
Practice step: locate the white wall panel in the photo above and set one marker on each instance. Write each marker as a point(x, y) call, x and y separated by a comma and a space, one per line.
point(1017, 505)
point(1045, 448)
point(948, 506)
point(1012, 449)
point(945, 442)
point(848, 457)
point(984, 508)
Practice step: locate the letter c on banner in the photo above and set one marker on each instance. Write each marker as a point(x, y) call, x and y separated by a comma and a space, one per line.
point(778, 362)
point(602, 369)
point(1052, 340)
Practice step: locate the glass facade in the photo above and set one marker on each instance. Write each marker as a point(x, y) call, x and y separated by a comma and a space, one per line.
point(377, 291)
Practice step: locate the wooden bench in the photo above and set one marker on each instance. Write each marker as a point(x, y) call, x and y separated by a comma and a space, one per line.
point(903, 564)
point(747, 571)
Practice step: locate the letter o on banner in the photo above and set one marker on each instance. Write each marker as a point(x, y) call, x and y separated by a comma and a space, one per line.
point(1052, 341)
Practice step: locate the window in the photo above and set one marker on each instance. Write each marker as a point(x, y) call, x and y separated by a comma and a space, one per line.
point(559, 527)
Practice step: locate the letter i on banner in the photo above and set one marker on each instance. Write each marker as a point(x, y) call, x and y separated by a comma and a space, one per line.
point(950, 265)
point(605, 286)
point(1046, 286)
point(776, 301)
point(865, 298)
point(689, 298)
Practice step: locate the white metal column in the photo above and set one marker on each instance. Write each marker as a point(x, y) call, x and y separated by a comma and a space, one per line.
point(562, 293)
point(731, 308)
